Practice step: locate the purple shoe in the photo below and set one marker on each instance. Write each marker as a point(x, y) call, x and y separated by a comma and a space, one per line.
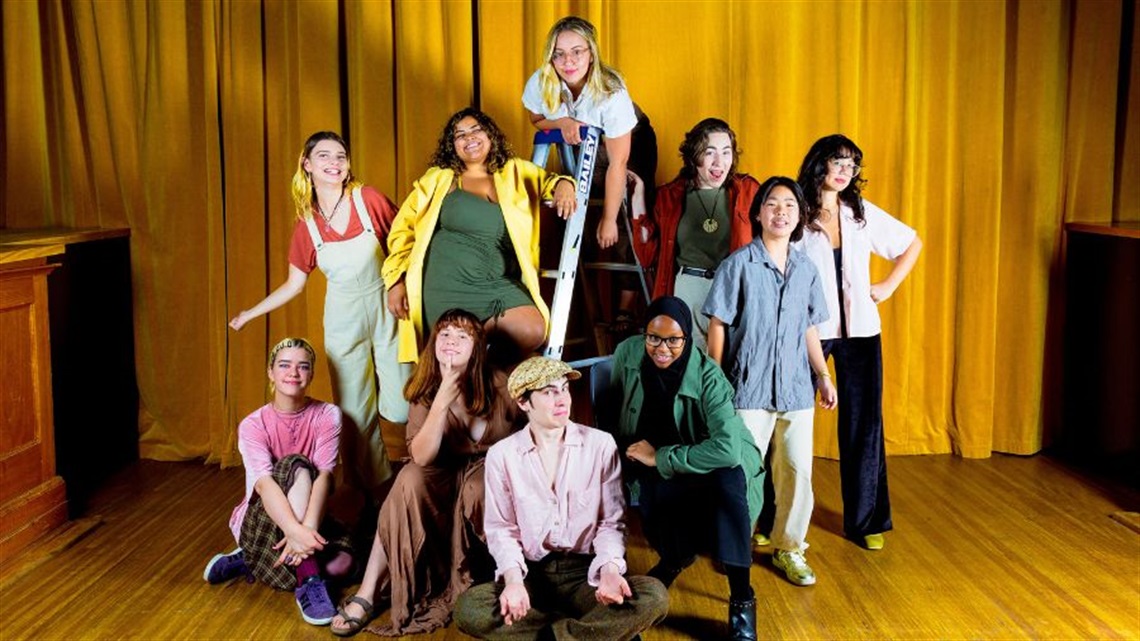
point(224, 567)
point(313, 600)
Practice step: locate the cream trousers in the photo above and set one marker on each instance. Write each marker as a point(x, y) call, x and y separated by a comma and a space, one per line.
point(788, 435)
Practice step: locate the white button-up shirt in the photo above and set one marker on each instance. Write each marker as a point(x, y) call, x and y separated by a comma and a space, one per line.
point(880, 234)
point(613, 113)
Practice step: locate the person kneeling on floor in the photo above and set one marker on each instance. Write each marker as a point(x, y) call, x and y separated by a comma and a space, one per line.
point(554, 525)
point(694, 469)
point(289, 448)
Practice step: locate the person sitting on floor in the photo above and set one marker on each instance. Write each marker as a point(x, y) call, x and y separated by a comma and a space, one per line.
point(554, 526)
point(289, 448)
point(694, 469)
point(429, 537)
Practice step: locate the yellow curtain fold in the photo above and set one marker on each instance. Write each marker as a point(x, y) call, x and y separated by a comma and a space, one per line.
point(434, 79)
point(1126, 206)
point(986, 125)
point(248, 269)
point(1028, 235)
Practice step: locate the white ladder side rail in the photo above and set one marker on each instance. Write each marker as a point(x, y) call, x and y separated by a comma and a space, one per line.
point(583, 172)
point(636, 266)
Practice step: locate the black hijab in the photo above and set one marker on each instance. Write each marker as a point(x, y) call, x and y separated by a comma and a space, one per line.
point(661, 385)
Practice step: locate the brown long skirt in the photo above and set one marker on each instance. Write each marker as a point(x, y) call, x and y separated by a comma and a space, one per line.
point(431, 526)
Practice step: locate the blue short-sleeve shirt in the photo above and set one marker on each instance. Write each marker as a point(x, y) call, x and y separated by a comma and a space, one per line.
point(768, 314)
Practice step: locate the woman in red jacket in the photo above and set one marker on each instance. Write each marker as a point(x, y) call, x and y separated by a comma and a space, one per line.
point(699, 218)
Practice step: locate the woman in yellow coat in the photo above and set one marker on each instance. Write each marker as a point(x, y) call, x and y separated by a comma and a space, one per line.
point(467, 237)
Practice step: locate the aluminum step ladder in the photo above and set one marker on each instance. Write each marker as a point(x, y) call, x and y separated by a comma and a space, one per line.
point(581, 167)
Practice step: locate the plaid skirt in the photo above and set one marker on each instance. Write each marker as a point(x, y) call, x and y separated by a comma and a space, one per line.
point(259, 533)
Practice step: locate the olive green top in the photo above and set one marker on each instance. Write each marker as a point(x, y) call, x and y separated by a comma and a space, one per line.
point(470, 263)
point(705, 209)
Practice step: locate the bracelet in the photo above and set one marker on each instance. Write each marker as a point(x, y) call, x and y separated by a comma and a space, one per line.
point(824, 374)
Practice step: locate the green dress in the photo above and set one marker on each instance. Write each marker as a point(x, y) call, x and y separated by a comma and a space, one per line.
point(470, 263)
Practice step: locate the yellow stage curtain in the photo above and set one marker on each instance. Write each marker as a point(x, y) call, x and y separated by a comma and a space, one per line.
point(985, 125)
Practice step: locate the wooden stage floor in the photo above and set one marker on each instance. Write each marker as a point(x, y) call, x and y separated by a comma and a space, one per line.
point(1003, 548)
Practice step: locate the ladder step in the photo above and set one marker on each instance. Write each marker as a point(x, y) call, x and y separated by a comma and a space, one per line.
point(613, 267)
point(592, 202)
point(602, 266)
point(589, 362)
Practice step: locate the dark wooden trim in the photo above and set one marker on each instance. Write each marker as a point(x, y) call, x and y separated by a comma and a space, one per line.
point(1117, 229)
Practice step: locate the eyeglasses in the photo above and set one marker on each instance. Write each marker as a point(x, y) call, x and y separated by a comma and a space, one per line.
point(673, 342)
point(469, 133)
point(841, 167)
point(575, 54)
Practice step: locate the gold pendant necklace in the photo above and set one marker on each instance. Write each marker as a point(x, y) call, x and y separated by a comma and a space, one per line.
point(709, 224)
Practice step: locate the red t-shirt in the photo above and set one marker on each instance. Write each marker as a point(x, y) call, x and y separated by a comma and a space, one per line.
point(381, 211)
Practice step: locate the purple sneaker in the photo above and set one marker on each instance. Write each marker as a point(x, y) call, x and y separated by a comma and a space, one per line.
point(224, 567)
point(313, 600)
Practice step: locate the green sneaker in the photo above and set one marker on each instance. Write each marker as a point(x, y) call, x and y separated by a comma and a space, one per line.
point(794, 565)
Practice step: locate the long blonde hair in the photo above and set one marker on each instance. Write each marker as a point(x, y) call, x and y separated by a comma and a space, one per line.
point(602, 80)
point(304, 196)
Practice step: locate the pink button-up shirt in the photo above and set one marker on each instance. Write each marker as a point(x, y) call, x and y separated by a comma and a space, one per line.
point(525, 519)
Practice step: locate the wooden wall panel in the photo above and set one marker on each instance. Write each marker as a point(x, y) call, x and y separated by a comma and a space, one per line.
point(32, 497)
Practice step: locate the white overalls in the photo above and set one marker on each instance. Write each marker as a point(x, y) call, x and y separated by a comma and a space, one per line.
point(361, 346)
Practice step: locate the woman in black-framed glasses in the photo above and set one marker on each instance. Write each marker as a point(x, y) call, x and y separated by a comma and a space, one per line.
point(690, 460)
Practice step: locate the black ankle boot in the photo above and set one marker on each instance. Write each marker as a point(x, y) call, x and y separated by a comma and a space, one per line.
point(665, 574)
point(668, 571)
point(742, 619)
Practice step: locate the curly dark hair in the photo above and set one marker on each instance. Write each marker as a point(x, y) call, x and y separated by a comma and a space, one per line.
point(445, 156)
point(814, 170)
point(697, 139)
point(762, 195)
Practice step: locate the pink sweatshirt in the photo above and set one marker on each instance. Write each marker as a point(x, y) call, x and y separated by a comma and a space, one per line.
point(268, 435)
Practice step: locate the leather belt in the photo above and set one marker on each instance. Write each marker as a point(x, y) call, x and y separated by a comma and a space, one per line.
point(697, 271)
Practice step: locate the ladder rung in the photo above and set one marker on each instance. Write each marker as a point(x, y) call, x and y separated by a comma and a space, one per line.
point(589, 362)
point(613, 267)
point(592, 202)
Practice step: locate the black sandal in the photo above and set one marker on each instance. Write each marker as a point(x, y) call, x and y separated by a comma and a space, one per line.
point(355, 624)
